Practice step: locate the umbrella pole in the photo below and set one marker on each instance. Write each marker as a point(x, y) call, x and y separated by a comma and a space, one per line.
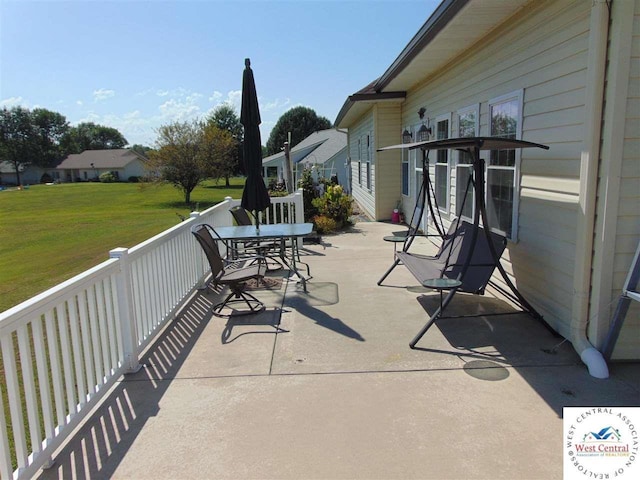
point(257, 214)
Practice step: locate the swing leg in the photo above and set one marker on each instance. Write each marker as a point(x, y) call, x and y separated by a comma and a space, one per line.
point(396, 262)
point(437, 314)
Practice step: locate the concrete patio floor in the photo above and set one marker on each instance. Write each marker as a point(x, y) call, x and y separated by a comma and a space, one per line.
point(323, 385)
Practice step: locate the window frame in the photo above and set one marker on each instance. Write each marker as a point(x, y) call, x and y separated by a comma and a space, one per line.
point(360, 162)
point(517, 95)
point(405, 187)
point(368, 176)
point(438, 164)
point(475, 109)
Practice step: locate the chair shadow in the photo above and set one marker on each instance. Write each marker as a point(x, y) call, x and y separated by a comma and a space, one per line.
point(97, 448)
point(268, 317)
point(322, 294)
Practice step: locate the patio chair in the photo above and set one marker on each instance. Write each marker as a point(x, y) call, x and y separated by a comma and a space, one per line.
point(229, 273)
point(269, 250)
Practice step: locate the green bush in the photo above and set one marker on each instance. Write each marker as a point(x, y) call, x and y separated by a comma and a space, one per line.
point(335, 204)
point(310, 193)
point(324, 224)
point(108, 177)
point(134, 179)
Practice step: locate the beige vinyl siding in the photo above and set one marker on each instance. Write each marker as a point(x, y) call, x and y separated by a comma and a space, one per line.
point(388, 165)
point(360, 193)
point(618, 208)
point(543, 52)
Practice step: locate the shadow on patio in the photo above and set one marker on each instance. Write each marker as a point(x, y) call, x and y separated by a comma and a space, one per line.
point(323, 385)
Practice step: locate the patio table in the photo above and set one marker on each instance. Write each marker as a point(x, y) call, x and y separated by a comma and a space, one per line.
point(276, 231)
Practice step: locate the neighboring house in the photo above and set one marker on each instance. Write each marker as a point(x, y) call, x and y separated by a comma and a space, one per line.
point(29, 174)
point(561, 73)
point(325, 152)
point(90, 164)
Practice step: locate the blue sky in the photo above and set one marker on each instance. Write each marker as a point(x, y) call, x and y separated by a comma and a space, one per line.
point(136, 65)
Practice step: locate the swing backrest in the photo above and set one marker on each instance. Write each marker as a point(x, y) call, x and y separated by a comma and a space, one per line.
point(456, 248)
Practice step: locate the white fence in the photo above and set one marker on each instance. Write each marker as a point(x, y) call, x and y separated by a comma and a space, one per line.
point(63, 349)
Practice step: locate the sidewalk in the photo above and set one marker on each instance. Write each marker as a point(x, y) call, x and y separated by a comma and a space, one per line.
point(324, 385)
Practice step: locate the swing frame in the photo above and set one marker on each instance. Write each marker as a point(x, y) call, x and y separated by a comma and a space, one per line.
point(472, 146)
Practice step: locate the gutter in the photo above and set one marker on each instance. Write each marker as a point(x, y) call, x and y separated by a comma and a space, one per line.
point(366, 97)
point(594, 100)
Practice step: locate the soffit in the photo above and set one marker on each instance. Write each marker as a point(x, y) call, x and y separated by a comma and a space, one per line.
point(468, 27)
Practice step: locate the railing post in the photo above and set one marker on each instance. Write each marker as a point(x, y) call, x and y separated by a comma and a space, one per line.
point(125, 311)
point(298, 201)
point(195, 216)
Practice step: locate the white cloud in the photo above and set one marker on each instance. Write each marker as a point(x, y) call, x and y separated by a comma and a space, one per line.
point(13, 102)
point(79, 102)
point(102, 94)
point(277, 105)
point(215, 97)
point(176, 110)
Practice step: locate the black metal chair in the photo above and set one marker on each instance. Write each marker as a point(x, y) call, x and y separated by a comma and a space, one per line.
point(230, 273)
point(269, 250)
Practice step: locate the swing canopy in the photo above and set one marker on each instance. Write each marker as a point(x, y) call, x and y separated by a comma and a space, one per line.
point(466, 143)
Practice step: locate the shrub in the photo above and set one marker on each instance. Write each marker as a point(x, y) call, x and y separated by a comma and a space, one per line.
point(335, 204)
point(46, 178)
point(108, 177)
point(310, 193)
point(133, 179)
point(325, 224)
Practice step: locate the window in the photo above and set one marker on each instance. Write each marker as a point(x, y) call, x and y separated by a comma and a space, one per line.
point(468, 123)
point(405, 168)
point(360, 162)
point(505, 115)
point(442, 165)
point(368, 165)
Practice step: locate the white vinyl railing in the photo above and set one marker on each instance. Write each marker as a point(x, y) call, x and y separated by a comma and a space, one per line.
point(62, 350)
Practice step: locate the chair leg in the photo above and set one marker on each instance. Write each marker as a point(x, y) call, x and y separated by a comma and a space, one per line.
point(238, 296)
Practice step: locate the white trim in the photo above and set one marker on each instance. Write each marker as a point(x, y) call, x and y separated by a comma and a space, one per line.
point(444, 118)
point(519, 96)
point(475, 109)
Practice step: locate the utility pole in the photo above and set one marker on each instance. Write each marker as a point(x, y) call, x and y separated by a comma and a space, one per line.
point(288, 173)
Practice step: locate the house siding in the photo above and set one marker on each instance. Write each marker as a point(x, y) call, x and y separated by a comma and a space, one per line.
point(361, 194)
point(542, 51)
point(388, 164)
point(617, 230)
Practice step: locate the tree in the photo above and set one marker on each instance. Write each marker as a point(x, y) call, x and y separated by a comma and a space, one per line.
point(18, 139)
point(141, 149)
point(50, 128)
point(90, 136)
point(225, 118)
point(301, 122)
point(178, 158)
point(220, 151)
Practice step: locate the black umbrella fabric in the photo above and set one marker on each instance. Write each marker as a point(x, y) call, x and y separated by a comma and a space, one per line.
point(255, 196)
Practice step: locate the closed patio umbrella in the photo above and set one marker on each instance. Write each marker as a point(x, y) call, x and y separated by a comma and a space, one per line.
point(255, 196)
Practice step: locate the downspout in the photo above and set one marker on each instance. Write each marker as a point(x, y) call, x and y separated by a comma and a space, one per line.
point(594, 99)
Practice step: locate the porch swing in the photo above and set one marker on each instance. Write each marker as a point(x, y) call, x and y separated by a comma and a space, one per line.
point(470, 252)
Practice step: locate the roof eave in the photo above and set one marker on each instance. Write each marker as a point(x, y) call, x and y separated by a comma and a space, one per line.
point(366, 97)
point(447, 10)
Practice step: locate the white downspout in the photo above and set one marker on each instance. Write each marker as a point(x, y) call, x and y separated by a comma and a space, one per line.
point(596, 64)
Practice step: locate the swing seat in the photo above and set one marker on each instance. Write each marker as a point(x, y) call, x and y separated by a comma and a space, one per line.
point(450, 259)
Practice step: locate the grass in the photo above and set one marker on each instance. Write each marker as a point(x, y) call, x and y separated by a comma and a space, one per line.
point(49, 233)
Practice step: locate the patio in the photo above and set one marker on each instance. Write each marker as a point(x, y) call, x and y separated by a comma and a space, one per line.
point(324, 385)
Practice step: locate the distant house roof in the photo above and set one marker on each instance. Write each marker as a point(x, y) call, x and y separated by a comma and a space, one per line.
point(115, 158)
point(318, 147)
point(7, 167)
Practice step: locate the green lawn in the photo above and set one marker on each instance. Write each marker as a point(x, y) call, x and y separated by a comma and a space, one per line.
point(49, 233)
